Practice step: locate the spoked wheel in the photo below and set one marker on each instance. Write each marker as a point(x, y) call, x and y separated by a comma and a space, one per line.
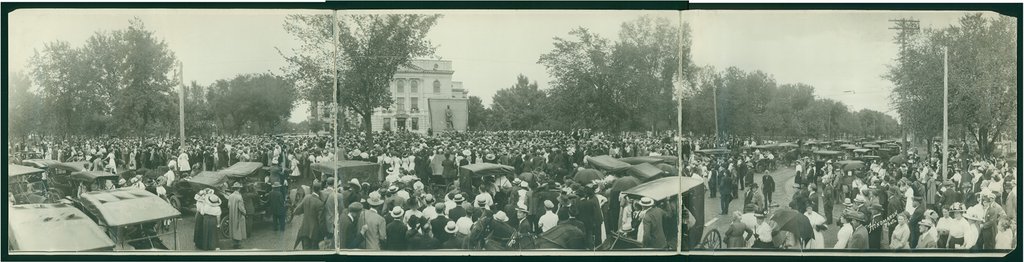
point(225, 228)
point(713, 240)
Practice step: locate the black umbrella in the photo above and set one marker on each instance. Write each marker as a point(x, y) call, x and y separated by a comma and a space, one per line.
point(794, 222)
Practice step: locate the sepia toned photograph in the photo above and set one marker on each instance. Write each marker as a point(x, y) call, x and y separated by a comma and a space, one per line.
point(234, 130)
point(833, 132)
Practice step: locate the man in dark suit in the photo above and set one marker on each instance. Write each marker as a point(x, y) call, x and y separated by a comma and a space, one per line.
point(591, 215)
point(652, 223)
point(767, 189)
point(276, 207)
point(725, 188)
point(396, 231)
point(915, 220)
point(349, 227)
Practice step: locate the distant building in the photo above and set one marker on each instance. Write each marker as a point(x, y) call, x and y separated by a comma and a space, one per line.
point(423, 95)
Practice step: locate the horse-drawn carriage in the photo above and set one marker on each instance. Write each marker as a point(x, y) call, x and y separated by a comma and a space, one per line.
point(54, 227)
point(665, 192)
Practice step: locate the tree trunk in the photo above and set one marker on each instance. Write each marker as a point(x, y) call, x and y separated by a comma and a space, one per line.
point(367, 126)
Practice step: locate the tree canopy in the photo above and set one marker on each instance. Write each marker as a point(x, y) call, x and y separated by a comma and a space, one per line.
point(122, 74)
point(982, 80)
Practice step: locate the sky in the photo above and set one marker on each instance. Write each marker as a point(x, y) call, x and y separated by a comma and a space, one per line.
point(488, 49)
point(834, 51)
point(843, 54)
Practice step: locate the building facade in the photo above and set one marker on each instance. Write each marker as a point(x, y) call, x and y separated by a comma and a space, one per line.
point(414, 89)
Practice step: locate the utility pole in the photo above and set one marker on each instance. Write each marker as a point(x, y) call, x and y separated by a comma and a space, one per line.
point(334, 73)
point(906, 27)
point(181, 105)
point(945, 113)
point(679, 128)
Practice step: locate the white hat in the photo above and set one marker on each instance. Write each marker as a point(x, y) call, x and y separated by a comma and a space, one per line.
point(500, 216)
point(418, 185)
point(646, 201)
point(397, 212)
point(450, 227)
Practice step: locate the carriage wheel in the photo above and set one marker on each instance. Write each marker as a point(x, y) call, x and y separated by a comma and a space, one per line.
point(713, 240)
point(225, 228)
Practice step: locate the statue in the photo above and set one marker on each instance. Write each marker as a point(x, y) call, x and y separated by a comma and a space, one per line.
point(448, 118)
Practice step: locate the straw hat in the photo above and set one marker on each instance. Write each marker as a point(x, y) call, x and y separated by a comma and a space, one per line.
point(459, 198)
point(450, 227)
point(397, 212)
point(213, 200)
point(646, 202)
point(374, 199)
point(500, 216)
point(549, 204)
point(236, 185)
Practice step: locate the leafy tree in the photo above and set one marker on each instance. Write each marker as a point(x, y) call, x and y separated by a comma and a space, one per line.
point(982, 80)
point(25, 111)
point(309, 65)
point(374, 46)
point(621, 85)
point(479, 116)
point(519, 107)
point(121, 74)
point(256, 103)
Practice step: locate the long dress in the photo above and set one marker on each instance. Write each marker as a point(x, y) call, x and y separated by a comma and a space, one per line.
point(210, 235)
point(197, 234)
point(816, 220)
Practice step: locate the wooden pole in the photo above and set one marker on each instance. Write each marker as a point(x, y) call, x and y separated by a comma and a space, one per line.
point(679, 134)
point(334, 72)
point(945, 113)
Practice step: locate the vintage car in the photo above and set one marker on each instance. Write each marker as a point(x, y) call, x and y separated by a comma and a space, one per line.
point(473, 175)
point(134, 218)
point(24, 184)
point(54, 227)
point(346, 170)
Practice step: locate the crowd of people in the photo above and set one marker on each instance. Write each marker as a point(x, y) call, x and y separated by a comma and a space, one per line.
point(889, 204)
point(419, 204)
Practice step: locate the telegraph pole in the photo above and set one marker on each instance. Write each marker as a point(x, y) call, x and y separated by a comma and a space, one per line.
point(906, 28)
point(679, 129)
point(334, 73)
point(945, 113)
point(181, 105)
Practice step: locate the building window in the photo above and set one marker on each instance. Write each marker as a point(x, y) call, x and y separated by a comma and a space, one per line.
point(437, 87)
point(387, 124)
point(415, 123)
point(414, 84)
point(401, 124)
point(401, 104)
point(400, 86)
point(414, 104)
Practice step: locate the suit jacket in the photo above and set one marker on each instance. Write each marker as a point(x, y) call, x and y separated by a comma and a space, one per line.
point(349, 227)
point(396, 236)
point(654, 234)
point(457, 212)
point(456, 241)
point(373, 229)
point(767, 184)
point(859, 239)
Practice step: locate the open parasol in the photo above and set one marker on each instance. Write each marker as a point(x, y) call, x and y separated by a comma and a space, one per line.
point(898, 159)
point(585, 176)
point(794, 222)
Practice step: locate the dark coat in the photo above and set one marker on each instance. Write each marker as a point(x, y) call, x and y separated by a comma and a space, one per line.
point(276, 205)
point(396, 238)
point(859, 239)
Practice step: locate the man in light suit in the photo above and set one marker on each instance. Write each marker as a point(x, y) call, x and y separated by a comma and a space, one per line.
point(859, 239)
point(373, 229)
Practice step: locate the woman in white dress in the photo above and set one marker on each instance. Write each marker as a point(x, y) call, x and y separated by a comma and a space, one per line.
point(817, 223)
